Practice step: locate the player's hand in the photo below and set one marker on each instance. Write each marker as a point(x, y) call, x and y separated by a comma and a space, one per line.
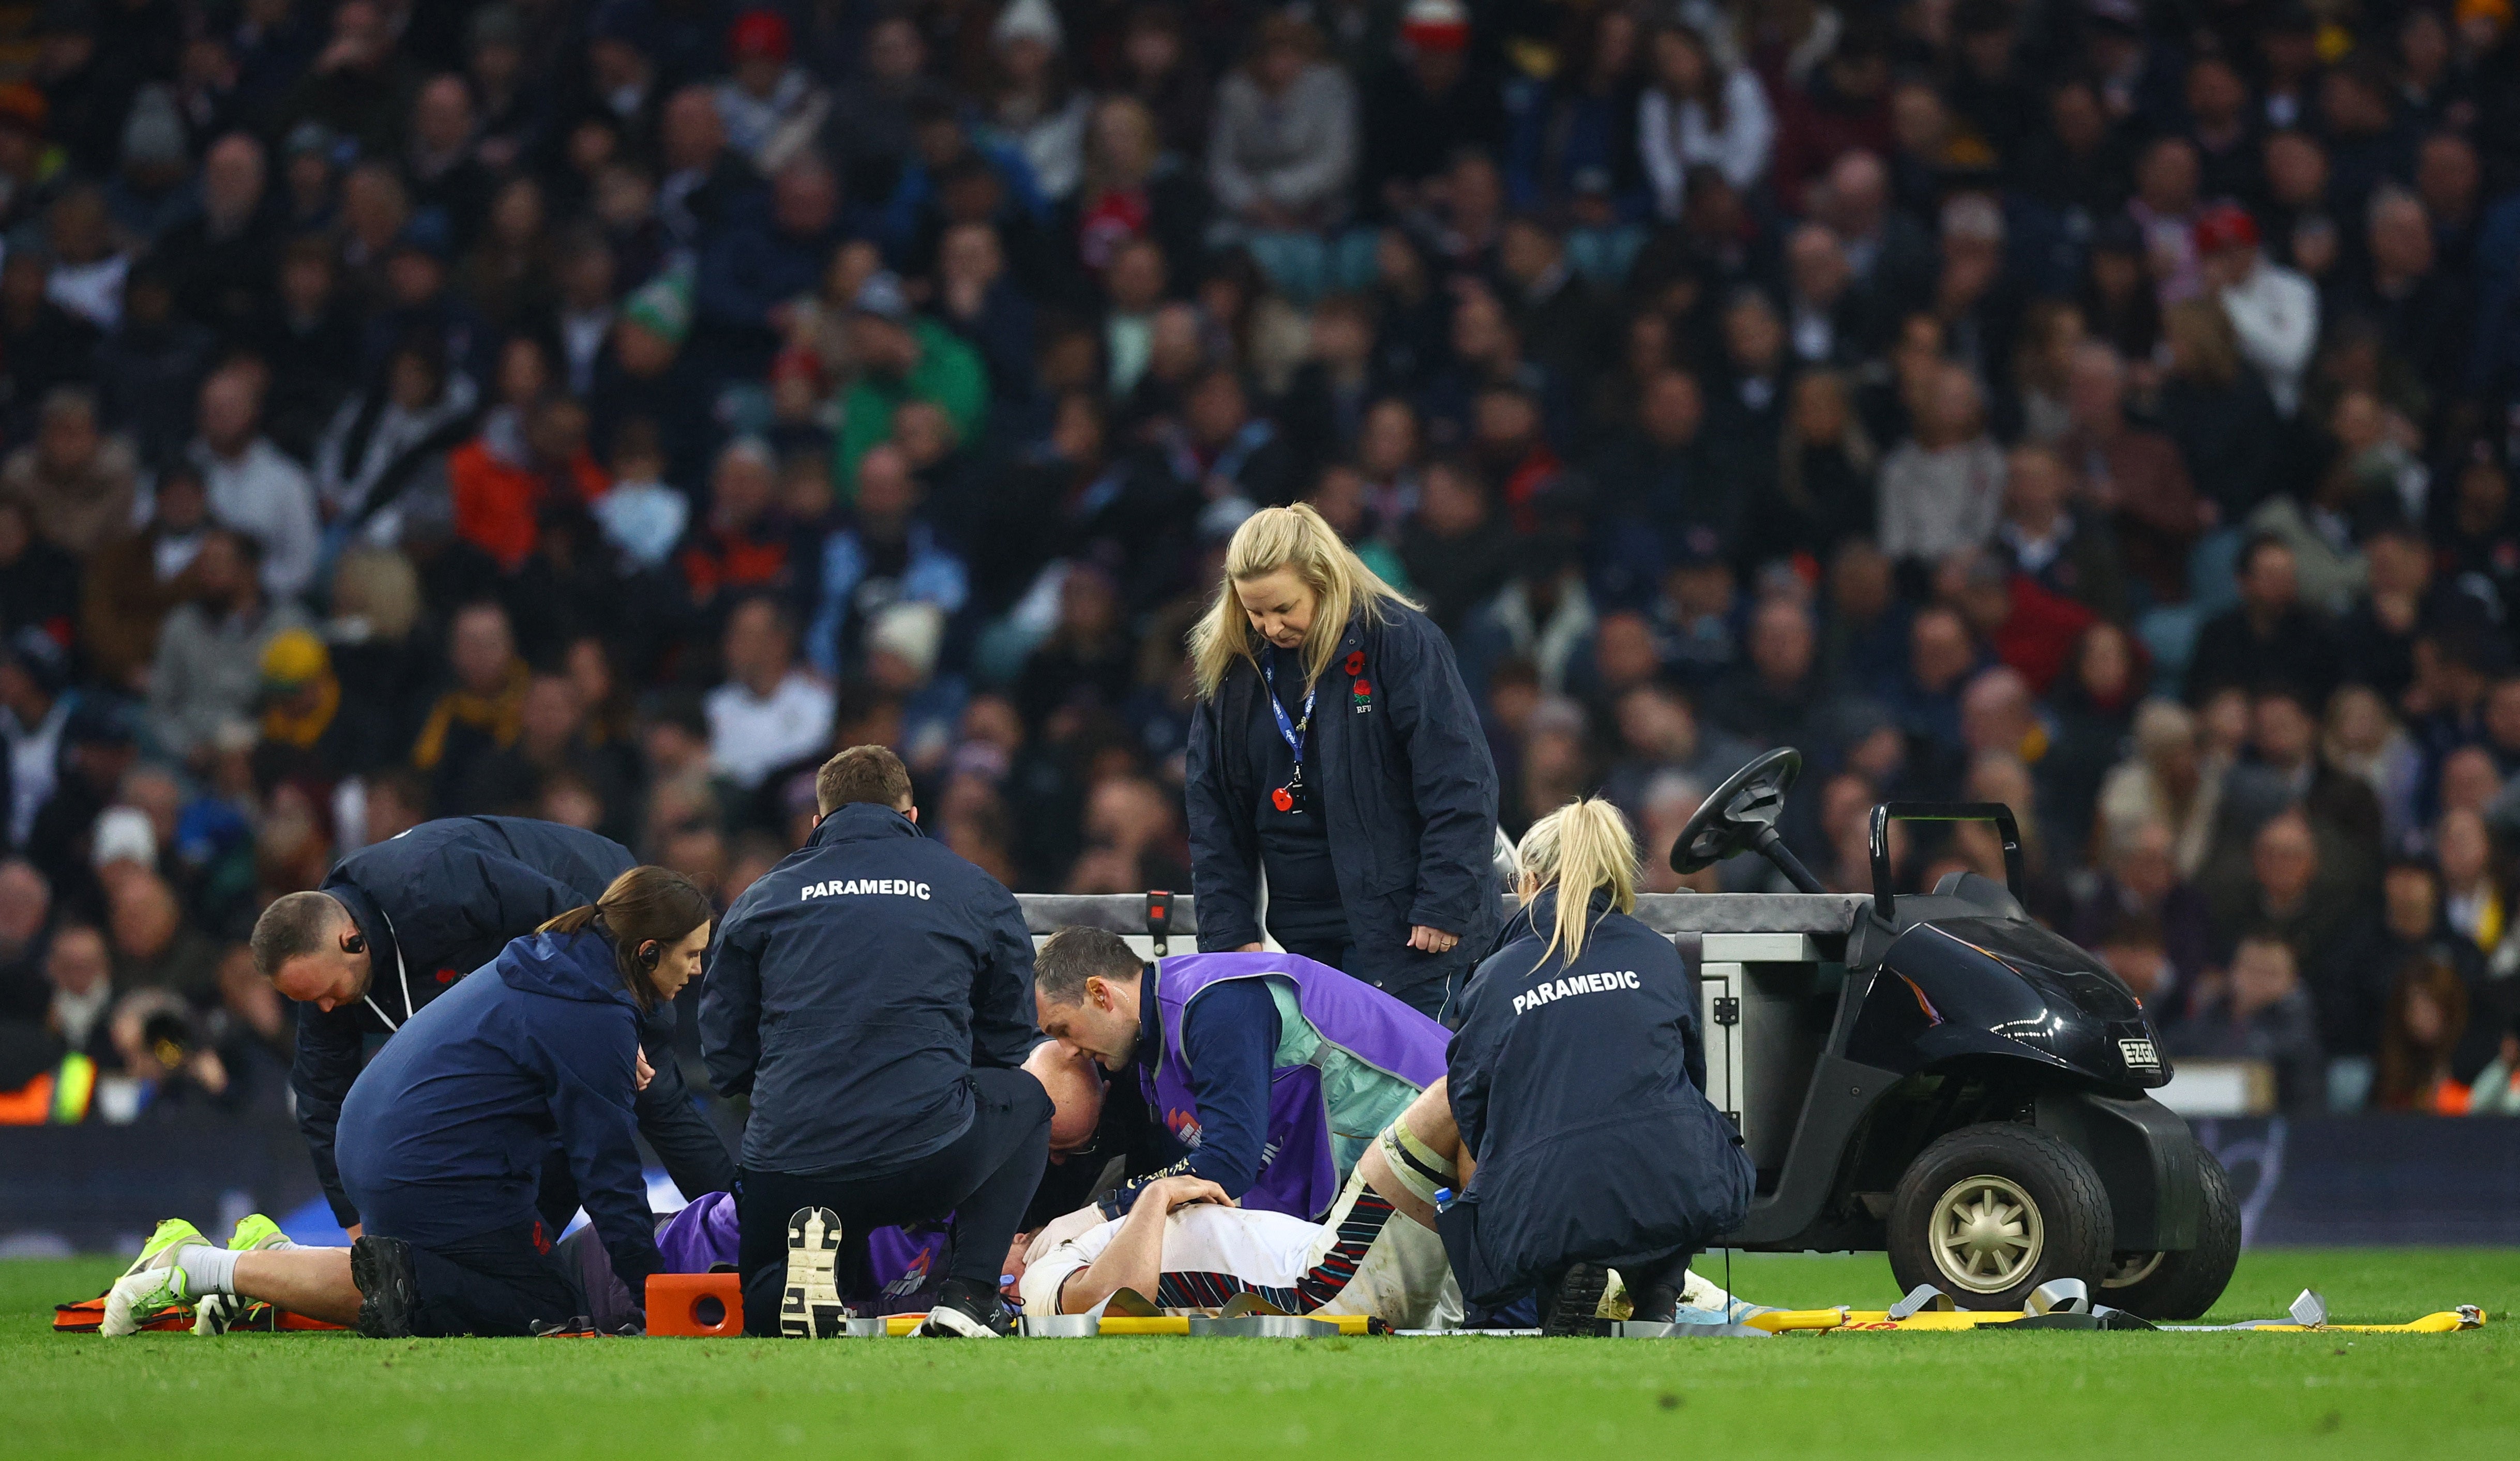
point(1248, 948)
point(1059, 1230)
point(1181, 1191)
point(1432, 940)
point(647, 1072)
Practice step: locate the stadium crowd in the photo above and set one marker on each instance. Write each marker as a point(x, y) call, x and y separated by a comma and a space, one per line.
point(603, 412)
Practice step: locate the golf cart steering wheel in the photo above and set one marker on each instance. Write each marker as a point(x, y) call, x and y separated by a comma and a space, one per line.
point(1740, 815)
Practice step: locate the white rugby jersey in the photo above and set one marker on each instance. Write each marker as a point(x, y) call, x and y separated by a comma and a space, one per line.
point(1373, 1262)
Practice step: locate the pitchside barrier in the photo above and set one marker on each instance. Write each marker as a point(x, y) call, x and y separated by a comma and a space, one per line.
point(2328, 1180)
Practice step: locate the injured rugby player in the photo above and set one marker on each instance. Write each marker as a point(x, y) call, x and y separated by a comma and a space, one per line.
point(1185, 1245)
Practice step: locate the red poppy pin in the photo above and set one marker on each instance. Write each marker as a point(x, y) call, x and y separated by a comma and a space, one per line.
point(1356, 661)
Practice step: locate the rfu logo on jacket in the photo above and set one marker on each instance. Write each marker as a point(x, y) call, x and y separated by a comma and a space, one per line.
point(896, 886)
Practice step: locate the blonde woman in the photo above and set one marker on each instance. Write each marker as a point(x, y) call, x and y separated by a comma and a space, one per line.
point(1577, 1080)
point(1335, 752)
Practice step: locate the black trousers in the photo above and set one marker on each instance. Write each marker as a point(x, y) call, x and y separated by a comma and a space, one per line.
point(983, 1178)
point(500, 1282)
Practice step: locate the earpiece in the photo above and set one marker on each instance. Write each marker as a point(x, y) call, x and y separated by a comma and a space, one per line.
point(356, 942)
point(651, 953)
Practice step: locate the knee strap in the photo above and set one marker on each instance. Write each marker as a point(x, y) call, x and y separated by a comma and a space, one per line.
point(1417, 1165)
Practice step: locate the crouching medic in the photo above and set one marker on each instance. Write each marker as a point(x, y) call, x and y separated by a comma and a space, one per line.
point(1275, 1073)
point(1577, 1082)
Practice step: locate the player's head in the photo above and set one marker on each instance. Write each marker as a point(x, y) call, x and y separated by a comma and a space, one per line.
point(1085, 992)
point(1075, 1095)
point(310, 947)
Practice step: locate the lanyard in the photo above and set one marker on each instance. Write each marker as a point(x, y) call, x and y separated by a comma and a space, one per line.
point(1291, 731)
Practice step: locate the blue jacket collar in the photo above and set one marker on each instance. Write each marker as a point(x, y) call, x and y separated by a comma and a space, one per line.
point(859, 820)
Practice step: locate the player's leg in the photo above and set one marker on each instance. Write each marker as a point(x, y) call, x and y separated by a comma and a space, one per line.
point(310, 1281)
point(1418, 1156)
point(180, 1267)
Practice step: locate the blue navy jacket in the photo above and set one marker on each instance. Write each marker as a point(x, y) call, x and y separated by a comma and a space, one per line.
point(445, 1133)
point(1578, 1087)
point(1404, 782)
point(852, 989)
point(439, 902)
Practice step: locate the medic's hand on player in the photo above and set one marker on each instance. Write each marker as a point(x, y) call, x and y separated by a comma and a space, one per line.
point(1181, 1191)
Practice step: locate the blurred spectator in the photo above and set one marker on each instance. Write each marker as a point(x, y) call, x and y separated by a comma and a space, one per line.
point(2426, 1019)
point(2169, 779)
point(210, 656)
point(153, 948)
point(380, 467)
point(770, 711)
point(1282, 150)
point(310, 732)
point(480, 711)
point(26, 909)
point(2273, 310)
point(1697, 110)
point(2049, 539)
point(1457, 552)
point(80, 971)
point(251, 486)
point(902, 358)
point(2268, 635)
point(520, 467)
point(76, 481)
point(2216, 410)
point(2261, 1012)
point(1942, 488)
point(889, 552)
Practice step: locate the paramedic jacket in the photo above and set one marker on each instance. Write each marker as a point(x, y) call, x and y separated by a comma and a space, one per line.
point(440, 901)
point(852, 989)
point(1577, 1085)
point(446, 1132)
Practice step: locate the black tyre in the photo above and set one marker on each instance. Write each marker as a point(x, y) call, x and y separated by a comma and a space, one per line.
point(1989, 1213)
point(2182, 1285)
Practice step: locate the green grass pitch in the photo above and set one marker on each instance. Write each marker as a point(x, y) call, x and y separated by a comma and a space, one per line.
point(1870, 1395)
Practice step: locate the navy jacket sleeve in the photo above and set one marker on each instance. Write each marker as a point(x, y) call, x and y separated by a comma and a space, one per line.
point(1224, 845)
point(1230, 1038)
point(591, 1079)
point(693, 1154)
point(730, 1008)
point(1452, 779)
point(329, 1051)
point(1003, 1032)
point(1469, 1062)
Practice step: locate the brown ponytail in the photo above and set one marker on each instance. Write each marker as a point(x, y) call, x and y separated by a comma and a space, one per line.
point(646, 904)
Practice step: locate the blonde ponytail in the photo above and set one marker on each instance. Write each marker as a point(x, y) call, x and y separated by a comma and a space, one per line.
point(1581, 849)
point(1269, 540)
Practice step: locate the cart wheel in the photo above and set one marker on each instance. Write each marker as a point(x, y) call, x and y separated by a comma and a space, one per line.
point(1990, 1212)
point(2182, 1285)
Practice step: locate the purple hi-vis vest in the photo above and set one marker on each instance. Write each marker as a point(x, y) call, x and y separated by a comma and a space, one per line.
point(1299, 1172)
